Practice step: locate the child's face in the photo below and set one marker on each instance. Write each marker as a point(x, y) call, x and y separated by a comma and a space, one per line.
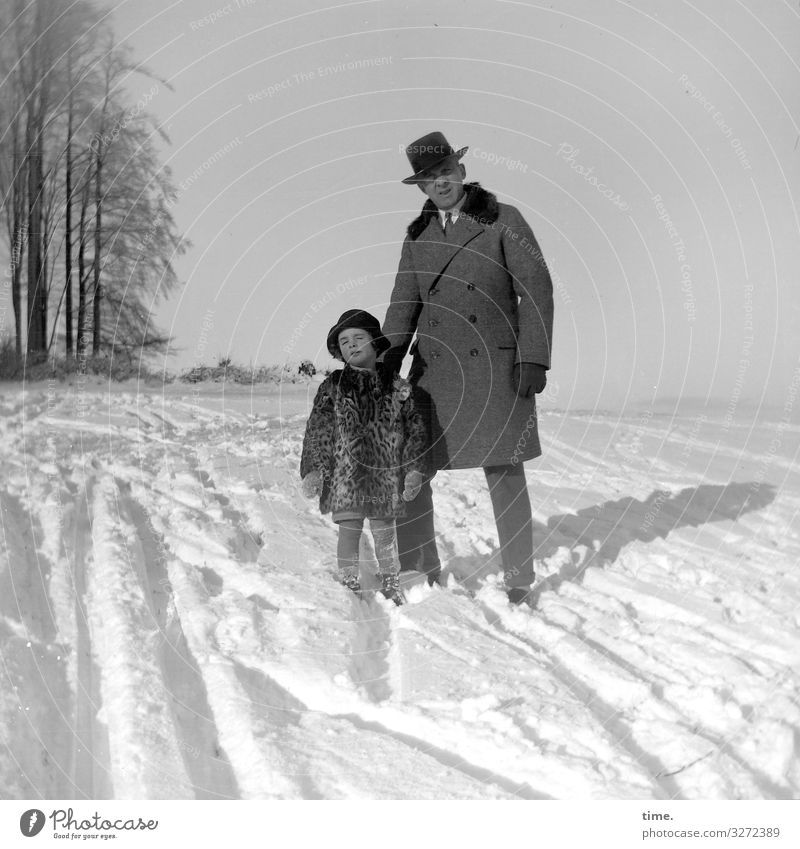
point(357, 349)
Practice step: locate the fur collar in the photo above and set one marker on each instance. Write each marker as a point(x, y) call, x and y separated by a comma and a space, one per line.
point(479, 204)
point(351, 379)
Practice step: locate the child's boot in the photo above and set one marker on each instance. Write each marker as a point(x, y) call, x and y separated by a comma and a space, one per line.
point(348, 570)
point(352, 583)
point(390, 587)
point(383, 535)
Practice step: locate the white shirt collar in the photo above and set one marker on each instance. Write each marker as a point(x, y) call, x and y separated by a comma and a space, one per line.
point(454, 211)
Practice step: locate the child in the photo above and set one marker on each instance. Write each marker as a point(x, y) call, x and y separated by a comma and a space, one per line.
point(364, 449)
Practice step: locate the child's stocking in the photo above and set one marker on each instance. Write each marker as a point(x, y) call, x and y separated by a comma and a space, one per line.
point(383, 535)
point(347, 553)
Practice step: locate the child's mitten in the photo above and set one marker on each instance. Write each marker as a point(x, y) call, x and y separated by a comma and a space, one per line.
point(312, 484)
point(413, 484)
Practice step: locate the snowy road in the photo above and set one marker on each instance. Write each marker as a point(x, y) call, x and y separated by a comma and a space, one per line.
point(169, 627)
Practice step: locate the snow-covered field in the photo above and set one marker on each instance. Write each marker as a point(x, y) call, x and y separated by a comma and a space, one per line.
point(170, 627)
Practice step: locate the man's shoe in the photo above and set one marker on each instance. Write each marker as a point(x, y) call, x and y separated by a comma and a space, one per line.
point(520, 595)
point(435, 577)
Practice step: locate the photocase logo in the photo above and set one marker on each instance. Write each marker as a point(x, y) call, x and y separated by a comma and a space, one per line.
point(31, 822)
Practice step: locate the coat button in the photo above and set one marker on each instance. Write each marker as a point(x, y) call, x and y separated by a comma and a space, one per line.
point(473, 352)
point(434, 322)
point(473, 318)
point(470, 286)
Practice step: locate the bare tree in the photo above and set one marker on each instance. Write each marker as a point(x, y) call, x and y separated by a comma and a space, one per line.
point(72, 150)
point(33, 89)
point(12, 188)
point(82, 273)
point(139, 242)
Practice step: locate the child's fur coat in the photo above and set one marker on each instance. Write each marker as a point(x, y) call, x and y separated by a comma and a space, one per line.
point(363, 436)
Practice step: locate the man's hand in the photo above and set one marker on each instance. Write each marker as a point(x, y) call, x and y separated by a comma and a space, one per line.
point(312, 484)
point(413, 484)
point(529, 378)
point(393, 360)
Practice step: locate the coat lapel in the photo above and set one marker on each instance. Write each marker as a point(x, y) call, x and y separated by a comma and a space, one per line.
point(436, 252)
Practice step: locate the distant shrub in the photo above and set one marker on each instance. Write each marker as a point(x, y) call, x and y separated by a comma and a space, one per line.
point(120, 368)
point(227, 372)
point(30, 368)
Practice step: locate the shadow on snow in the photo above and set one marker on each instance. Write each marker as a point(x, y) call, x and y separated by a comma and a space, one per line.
point(605, 529)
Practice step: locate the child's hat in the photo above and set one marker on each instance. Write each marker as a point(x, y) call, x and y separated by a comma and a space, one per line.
point(363, 320)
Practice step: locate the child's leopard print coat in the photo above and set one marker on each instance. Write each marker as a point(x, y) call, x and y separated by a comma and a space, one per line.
point(364, 435)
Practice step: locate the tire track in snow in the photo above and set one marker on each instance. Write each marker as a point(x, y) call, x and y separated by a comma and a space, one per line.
point(364, 715)
point(569, 455)
point(91, 759)
point(606, 714)
point(484, 621)
point(35, 702)
point(737, 771)
point(719, 448)
point(209, 771)
point(275, 712)
point(447, 758)
point(424, 735)
point(706, 645)
point(145, 756)
point(661, 603)
point(61, 506)
point(714, 710)
point(370, 650)
point(469, 746)
point(251, 743)
point(418, 749)
point(195, 531)
point(633, 719)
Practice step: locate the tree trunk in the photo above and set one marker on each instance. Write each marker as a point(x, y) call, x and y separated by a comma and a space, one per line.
point(98, 222)
point(68, 223)
point(17, 246)
point(34, 137)
point(81, 341)
point(16, 285)
point(35, 338)
point(40, 311)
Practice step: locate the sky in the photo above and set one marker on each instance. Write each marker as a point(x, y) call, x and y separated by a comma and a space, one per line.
point(652, 147)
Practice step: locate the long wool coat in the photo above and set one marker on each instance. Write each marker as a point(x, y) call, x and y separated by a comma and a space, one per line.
point(479, 302)
point(364, 434)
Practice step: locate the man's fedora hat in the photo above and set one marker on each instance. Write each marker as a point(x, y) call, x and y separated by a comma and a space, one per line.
point(430, 150)
point(364, 321)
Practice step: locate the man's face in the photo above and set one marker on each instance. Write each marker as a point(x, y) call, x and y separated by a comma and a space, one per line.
point(444, 183)
point(356, 347)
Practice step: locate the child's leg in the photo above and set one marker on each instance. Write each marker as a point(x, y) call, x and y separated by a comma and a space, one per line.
point(385, 539)
point(347, 551)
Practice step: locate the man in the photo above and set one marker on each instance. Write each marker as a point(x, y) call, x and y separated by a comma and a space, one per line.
point(473, 285)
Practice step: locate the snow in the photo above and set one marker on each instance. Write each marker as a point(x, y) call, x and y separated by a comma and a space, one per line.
point(170, 627)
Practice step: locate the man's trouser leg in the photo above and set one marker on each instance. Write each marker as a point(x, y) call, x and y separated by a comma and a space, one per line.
point(512, 513)
point(416, 538)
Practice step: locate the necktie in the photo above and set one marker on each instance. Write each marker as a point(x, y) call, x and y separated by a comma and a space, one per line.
point(448, 225)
